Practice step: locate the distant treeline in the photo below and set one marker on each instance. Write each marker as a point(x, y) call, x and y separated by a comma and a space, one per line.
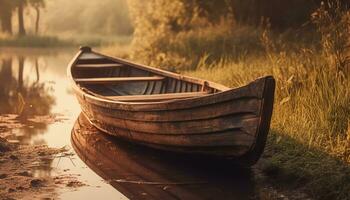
point(106, 17)
point(8, 9)
point(281, 14)
point(184, 29)
point(112, 16)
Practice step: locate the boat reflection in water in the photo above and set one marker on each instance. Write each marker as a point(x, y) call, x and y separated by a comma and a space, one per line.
point(142, 173)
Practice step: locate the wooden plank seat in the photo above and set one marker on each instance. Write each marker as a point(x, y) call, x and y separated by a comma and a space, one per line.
point(111, 65)
point(117, 79)
point(158, 97)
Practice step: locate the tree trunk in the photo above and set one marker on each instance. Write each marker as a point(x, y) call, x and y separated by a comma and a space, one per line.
point(37, 21)
point(21, 31)
point(6, 21)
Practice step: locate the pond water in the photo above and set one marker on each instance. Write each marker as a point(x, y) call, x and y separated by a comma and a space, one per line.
point(34, 83)
point(40, 78)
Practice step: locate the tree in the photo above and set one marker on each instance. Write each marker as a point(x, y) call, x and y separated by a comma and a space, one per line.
point(20, 9)
point(6, 10)
point(37, 5)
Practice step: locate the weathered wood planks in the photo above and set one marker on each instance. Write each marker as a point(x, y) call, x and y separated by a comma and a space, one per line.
point(168, 111)
point(98, 66)
point(116, 80)
point(240, 106)
point(157, 97)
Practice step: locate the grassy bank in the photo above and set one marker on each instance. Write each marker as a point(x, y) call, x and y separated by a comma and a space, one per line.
point(309, 142)
point(33, 41)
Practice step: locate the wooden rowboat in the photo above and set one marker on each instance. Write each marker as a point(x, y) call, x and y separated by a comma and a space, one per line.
point(172, 112)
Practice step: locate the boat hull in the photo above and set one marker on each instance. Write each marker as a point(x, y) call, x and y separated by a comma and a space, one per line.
point(225, 122)
point(234, 128)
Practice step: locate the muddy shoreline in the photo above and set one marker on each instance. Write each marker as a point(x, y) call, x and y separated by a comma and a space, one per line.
point(21, 164)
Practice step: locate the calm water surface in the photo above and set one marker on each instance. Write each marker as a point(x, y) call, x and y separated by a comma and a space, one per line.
point(34, 83)
point(40, 77)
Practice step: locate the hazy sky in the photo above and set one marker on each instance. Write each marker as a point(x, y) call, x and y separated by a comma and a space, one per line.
point(92, 16)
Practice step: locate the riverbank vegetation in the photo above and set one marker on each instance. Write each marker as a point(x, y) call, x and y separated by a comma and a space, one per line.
point(34, 41)
point(304, 46)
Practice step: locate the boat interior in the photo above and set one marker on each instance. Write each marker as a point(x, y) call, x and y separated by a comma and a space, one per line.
point(113, 79)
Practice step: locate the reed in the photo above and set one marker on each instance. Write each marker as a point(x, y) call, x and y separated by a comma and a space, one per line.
point(309, 144)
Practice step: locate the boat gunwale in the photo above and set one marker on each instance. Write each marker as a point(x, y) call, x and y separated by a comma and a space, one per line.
point(166, 73)
point(175, 104)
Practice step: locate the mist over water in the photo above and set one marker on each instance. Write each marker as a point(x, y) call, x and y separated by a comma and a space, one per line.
point(103, 17)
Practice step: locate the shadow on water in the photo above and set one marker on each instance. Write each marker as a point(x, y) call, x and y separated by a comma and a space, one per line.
point(142, 173)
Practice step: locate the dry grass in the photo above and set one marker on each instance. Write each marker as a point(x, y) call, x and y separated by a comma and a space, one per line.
point(310, 132)
point(312, 100)
point(32, 41)
point(309, 142)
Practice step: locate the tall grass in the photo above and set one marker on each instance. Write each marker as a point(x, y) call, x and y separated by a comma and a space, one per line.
point(310, 130)
point(312, 100)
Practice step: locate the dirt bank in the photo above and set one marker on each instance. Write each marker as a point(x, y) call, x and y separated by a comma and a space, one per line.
point(25, 170)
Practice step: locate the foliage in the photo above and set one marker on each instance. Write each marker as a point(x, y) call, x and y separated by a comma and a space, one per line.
point(160, 26)
point(309, 138)
point(151, 25)
point(7, 8)
point(37, 3)
point(309, 144)
point(334, 25)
